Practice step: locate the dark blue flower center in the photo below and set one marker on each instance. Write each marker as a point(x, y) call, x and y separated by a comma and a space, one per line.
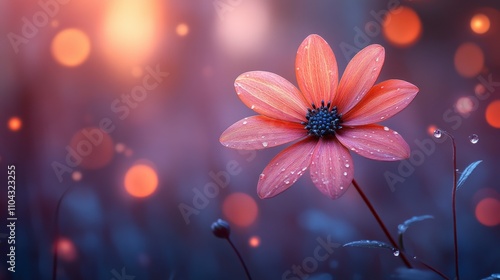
point(323, 121)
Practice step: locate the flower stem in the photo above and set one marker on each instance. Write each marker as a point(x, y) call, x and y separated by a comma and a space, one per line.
point(380, 222)
point(56, 234)
point(431, 268)
point(241, 259)
point(453, 202)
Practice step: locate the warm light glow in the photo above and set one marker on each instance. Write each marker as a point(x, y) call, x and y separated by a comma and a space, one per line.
point(479, 90)
point(182, 29)
point(480, 23)
point(70, 47)
point(488, 212)
point(464, 105)
point(469, 60)
point(54, 23)
point(120, 147)
point(141, 180)
point(493, 114)
point(15, 124)
point(240, 209)
point(136, 72)
point(129, 31)
point(254, 241)
point(243, 30)
point(76, 176)
point(431, 129)
point(66, 249)
point(91, 148)
point(402, 26)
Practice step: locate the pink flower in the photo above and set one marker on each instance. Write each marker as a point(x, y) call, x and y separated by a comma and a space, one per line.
point(327, 116)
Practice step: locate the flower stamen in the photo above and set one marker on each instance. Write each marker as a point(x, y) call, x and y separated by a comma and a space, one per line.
point(322, 121)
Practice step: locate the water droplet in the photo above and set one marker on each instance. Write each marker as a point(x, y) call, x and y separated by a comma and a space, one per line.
point(262, 175)
point(377, 59)
point(386, 128)
point(304, 169)
point(287, 182)
point(381, 87)
point(347, 165)
point(252, 107)
point(283, 169)
point(395, 253)
point(238, 93)
point(382, 118)
point(398, 89)
point(474, 138)
point(298, 68)
point(264, 144)
point(438, 133)
point(345, 173)
point(245, 122)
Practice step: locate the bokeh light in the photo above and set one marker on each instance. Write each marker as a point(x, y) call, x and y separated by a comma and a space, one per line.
point(182, 29)
point(464, 105)
point(240, 209)
point(141, 180)
point(14, 123)
point(493, 114)
point(480, 23)
point(70, 47)
point(479, 90)
point(488, 212)
point(430, 129)
point(129, 31)
point(66, 249)
point(402, 26)
point(469, 60)
point(120, 147)
point(92, 147)
point(76, 176)
point(254, 241)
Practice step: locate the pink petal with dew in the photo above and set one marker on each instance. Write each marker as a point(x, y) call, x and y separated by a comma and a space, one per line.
point(332, 168)
point(260, 132)
point(316, 70)
point(374, 142)
point(382, 101)
point(286, 168)
point(359, 76)
point(271, 95)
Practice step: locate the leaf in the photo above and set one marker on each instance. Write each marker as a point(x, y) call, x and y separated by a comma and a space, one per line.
point(370, 244)
point(492, 276)
point(467, 172)
point(404, 226)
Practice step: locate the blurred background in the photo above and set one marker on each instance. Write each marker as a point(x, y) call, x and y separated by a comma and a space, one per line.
point(117, 107)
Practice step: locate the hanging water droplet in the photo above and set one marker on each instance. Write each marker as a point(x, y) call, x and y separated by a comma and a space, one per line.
point(264, 144)
point(438, 133)
point(262, 175)
point(395, 253)
point(474, 138)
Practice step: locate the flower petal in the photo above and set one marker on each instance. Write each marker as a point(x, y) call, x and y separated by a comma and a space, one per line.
point(382, 101)
point(286, 168)
point(259, 132)
point(271, 95)
point(374, 142)
point(332, 168)
point(316, 70)
point(359, 76)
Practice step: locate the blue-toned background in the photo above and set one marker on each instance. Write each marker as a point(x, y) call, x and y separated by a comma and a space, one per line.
point(119, 104)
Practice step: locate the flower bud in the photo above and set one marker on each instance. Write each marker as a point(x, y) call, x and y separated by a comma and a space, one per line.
point(221, 229)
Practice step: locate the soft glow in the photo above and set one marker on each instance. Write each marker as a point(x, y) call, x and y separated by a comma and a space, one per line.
point(240, 209)
point(66, 249)
point(243, 29)
point(254, 241)
point(91, 148)
point(480, 23)
point(464, 105)
point(141, 180)
point(469, 60)
point(76, 176)
point(488, 212)
point(182, 29)
point(15, 124)
point(136, 72)
point(129, 30)
point(70, 47)
point(479, 90)
point(402, 27)
point(120, 147)
point(493, 114)
point(431, 129)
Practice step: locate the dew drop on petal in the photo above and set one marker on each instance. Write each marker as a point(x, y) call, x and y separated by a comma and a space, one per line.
point(287, 182)
point(262, 175)
point(345, 173)
point(474, 138)
point(438, 133)
point(264, 144)
point(252, 107)
point(245, 122)
point(386, 128)
point(347, 165)
point(395, 253)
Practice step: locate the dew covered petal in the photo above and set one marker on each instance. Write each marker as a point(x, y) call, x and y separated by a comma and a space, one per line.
point(286, 168)
point(374, 142)
point(259, 132)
